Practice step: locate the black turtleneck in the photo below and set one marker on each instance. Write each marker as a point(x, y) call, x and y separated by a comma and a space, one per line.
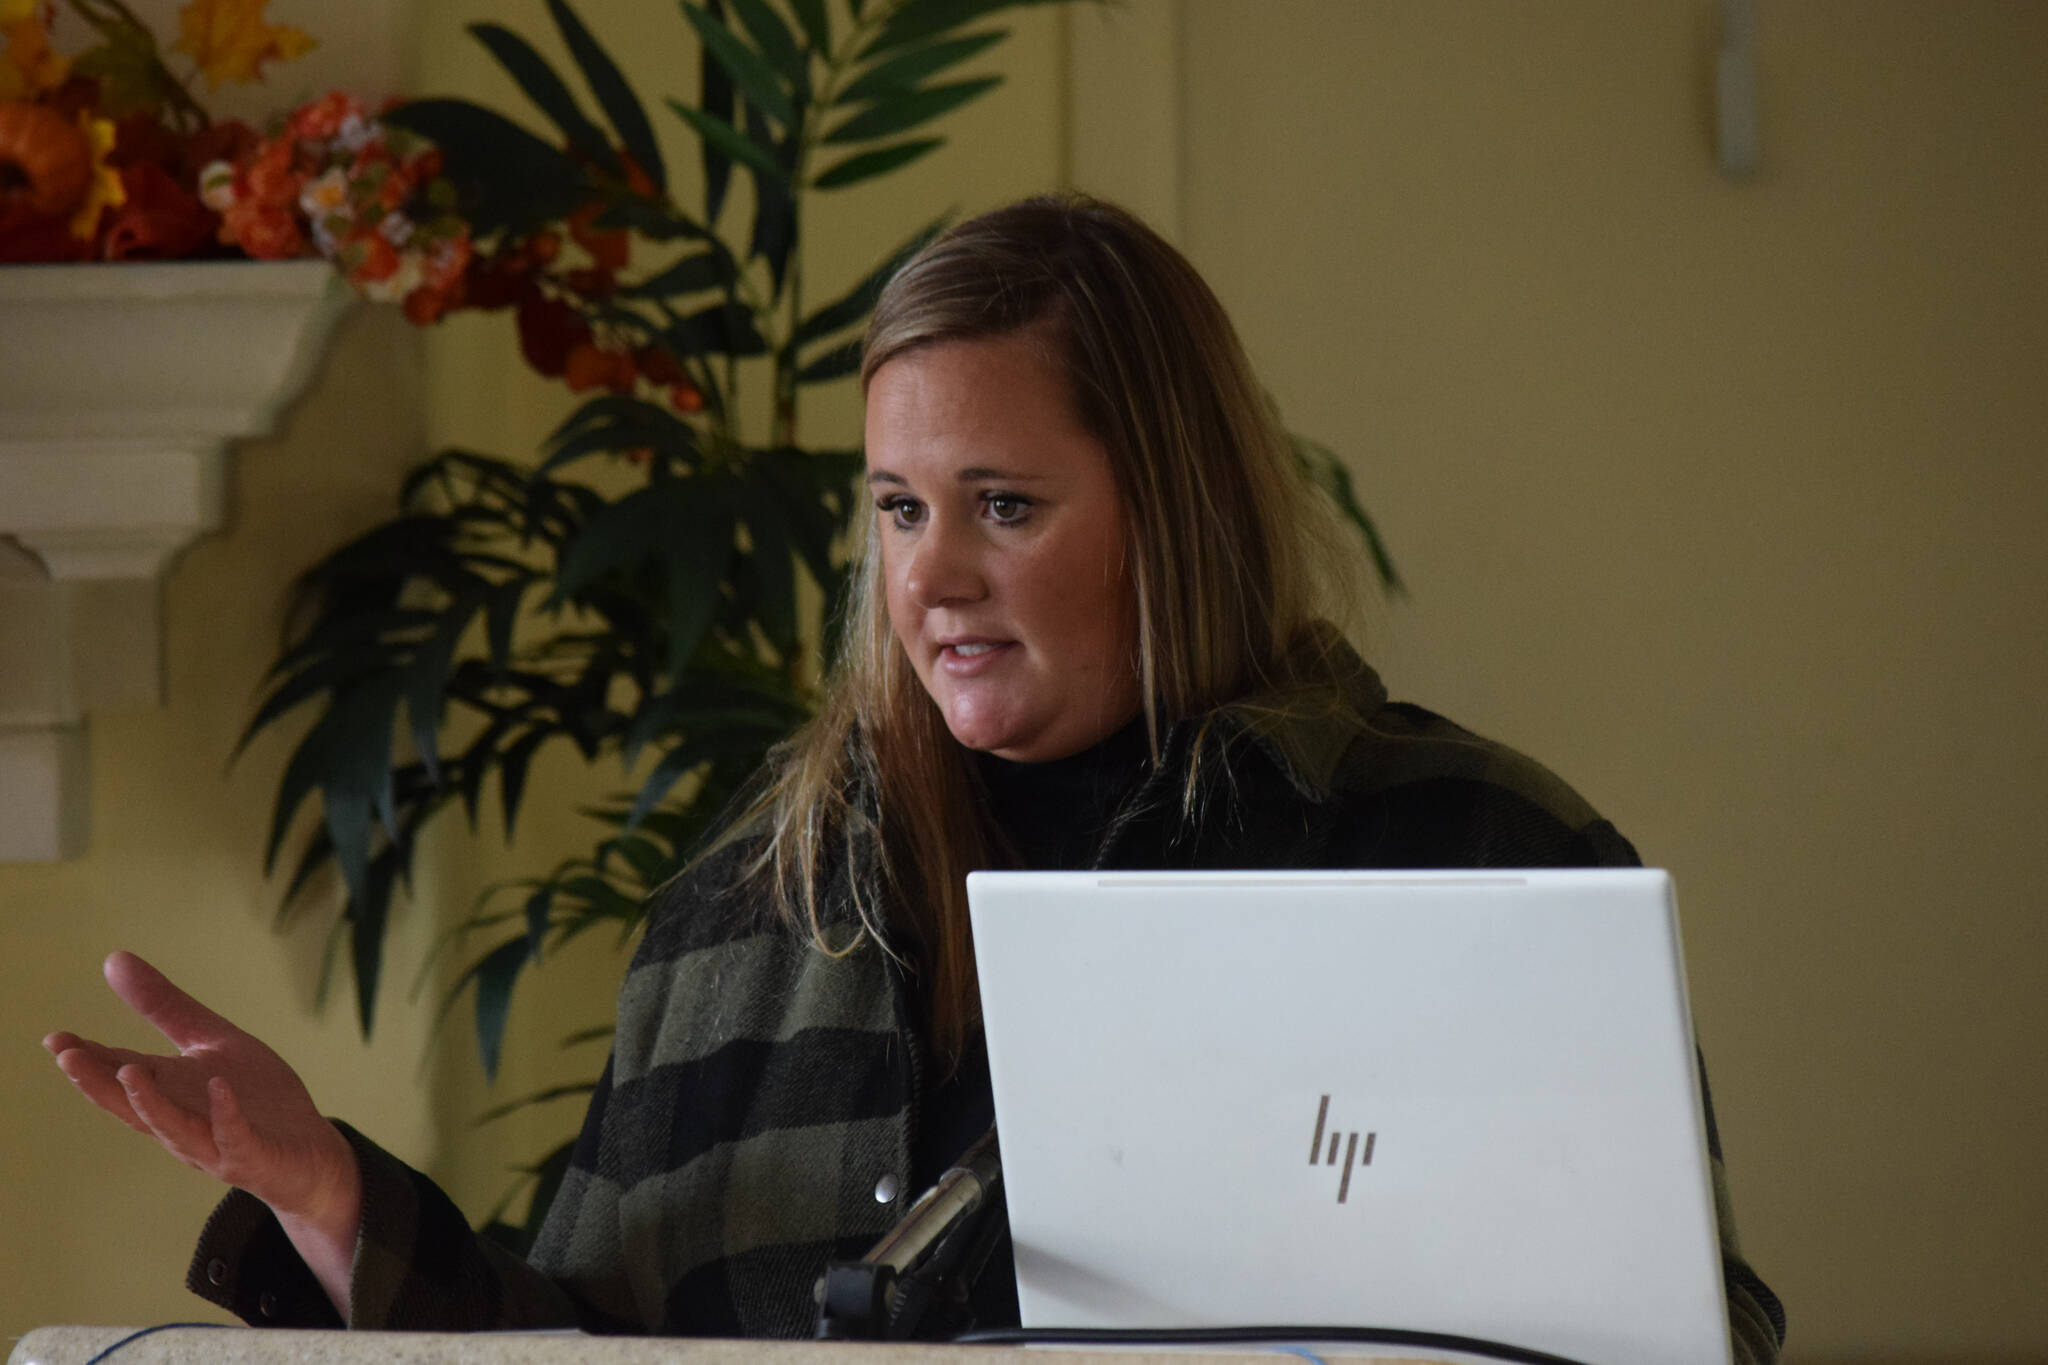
point(1053, 815)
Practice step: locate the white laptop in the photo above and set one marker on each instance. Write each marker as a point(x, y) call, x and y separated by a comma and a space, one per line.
point(1457, 1102)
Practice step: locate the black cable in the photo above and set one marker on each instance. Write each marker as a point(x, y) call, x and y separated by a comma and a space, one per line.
point(105, 1351)
point(1241, 1336)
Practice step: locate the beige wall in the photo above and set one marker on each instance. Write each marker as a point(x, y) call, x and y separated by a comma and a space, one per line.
point(1722, 499)
point(1726, 501)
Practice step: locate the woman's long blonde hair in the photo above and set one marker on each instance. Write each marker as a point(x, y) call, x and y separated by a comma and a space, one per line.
point(1229, 551)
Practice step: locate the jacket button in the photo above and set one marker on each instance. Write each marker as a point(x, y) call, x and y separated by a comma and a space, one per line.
point(886, 1187)
point(216, 1271)
point(266, 1304)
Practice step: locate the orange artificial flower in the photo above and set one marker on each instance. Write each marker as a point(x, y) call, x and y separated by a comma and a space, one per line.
point(230, 40)
point(324, 116)
point(267, 233)
point(637, 180)
point(271, 179)
point(589, 366)
point(609, 248)
point(548, 330)
point(379, 260)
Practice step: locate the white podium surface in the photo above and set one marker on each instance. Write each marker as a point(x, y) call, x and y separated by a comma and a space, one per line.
point(250, 1346)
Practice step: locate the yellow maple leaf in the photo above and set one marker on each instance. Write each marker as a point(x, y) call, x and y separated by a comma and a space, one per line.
point(105, 190)
point(30, 64)
point(17, 11)
point(230, 40)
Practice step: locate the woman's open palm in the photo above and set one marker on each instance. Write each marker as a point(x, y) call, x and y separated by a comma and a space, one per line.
point(223, 1103)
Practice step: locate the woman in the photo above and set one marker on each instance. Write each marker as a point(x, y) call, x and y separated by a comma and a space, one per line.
point(1093, 631)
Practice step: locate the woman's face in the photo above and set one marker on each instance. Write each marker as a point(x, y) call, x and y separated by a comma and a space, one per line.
point(1003, 548)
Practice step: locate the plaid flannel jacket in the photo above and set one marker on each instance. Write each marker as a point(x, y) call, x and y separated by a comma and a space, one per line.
point(760, 1089)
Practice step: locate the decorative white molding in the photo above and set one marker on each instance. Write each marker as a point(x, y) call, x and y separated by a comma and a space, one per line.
point(44, 810)
point(121, 387)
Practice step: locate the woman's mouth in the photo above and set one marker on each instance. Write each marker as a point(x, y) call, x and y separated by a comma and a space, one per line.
point(964, 658)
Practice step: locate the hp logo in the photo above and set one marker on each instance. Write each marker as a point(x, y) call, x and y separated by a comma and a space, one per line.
point(1353, 1156)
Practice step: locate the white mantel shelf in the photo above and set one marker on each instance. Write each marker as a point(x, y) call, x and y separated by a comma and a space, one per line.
point(247, 1346)
point(121, 389)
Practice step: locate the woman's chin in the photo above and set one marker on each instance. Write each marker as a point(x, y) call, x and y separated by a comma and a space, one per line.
point(975, 728)
point(981, 739)
point(1010, 737)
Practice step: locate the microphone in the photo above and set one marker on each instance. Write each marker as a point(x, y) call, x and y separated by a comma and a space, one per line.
point(883, 1295)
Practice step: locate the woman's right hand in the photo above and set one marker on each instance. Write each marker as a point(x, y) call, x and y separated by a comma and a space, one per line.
point(225, 1104)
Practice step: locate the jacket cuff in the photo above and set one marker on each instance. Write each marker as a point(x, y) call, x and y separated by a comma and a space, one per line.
point(245, 1264)
point(385, 1242)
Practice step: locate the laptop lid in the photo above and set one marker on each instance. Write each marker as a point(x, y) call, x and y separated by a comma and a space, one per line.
point(1459, 1102)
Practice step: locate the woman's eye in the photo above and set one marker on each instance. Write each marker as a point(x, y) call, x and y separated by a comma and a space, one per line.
point(1006, 506)
point(904, 511)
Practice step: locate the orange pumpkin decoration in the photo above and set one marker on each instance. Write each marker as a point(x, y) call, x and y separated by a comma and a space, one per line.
point(45, 159)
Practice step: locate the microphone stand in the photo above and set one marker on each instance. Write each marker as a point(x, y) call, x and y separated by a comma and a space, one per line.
point(885, 1294)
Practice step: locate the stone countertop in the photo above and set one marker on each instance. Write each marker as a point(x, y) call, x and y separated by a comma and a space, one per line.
point(246, 1346)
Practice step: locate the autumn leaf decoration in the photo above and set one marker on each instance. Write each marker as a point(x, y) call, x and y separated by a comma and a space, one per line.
point(28, 65)
point(101, 148)
point(230, 39)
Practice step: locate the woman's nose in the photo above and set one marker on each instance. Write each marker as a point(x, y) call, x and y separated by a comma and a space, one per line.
point(945, 567)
